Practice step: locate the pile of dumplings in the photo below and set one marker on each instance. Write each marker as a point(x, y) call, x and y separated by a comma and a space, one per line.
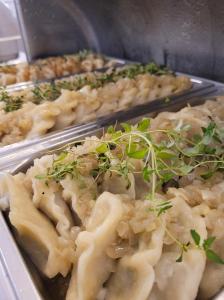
point(83, 105)
point(52, 67)
point(106, 236)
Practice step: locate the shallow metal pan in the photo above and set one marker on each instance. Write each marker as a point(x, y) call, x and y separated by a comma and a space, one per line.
point(11, 154)
point(18, 269)
point(29, 84)
point(199, 87)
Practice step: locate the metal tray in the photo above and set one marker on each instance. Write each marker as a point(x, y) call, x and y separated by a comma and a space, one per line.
point(22, 280)
point(29, 84)
point(200, 87)
point(14, 153)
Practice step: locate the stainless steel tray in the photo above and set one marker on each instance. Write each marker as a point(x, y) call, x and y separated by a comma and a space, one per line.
point(29, 84)
point(200, 87)
point(23, 280)
point(12, 154)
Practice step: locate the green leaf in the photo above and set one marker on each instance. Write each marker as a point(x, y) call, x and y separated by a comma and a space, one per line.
point(211, 255)
point(209, 132)
point(209, 150)
point(102, 148)
point(60, 170)
point(163, 207)
point(196, 237)
point(110, 129)
point(138, 154)
point(12, 106)
point(192, 151)
point(167, 176)
point(208, 242)
point(166, 154)
point(40, 177)
point(61, 156)
point(116, 134)
point(207, 175)
point(143, 125)
point(126, 126)
point(146, 173)
point(132, 147)
point(163, 210)
point(185, 169)
point(197, 138)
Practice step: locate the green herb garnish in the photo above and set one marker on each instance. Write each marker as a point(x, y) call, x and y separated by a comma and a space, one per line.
point(205, 245)
point(163, 161)
point(82, 54)
point(50, 91)
point(11, 103)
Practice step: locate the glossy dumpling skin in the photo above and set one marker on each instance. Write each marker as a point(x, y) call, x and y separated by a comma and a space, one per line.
point(80, 199)
point(35, 233)
point(134, 275)
point(48, 198)
point(213, 277)
point(178, 280)
point(93, 266)
point(116, 184)
point(207, 201)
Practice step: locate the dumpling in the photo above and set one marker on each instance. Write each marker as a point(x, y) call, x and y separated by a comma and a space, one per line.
point(178, 280)
point(43, 118)
point(207, 201)
point(134, 275)
point(48, 198)
point(67, 104)
point(36, 234)
point(94, 266)
point(213, 278)
point(181, 218)
point(116, 184)
point(81, 194)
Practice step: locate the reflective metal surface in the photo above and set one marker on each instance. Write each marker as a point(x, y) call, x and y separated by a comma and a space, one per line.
point(19, 282)
point(186, 35)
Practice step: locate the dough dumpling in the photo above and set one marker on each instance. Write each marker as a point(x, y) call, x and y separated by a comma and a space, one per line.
point(94, 266)
point(36, 234)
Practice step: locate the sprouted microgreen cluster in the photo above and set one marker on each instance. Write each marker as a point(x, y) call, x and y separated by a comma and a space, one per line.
point(166, 155)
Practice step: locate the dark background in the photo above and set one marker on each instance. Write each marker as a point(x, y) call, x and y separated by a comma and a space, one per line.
point(186, 35)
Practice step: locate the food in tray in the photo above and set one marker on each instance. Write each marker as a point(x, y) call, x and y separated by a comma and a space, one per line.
point(82, 98)
point(52, 67)
point(135, 214)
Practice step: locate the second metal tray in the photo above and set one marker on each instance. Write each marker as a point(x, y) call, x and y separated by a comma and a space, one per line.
point(11, 154)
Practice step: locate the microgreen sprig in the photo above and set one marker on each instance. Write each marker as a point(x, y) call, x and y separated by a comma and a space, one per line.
point(11, 103)
point(51, 91)
point(205, 245)
point(164, 161)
